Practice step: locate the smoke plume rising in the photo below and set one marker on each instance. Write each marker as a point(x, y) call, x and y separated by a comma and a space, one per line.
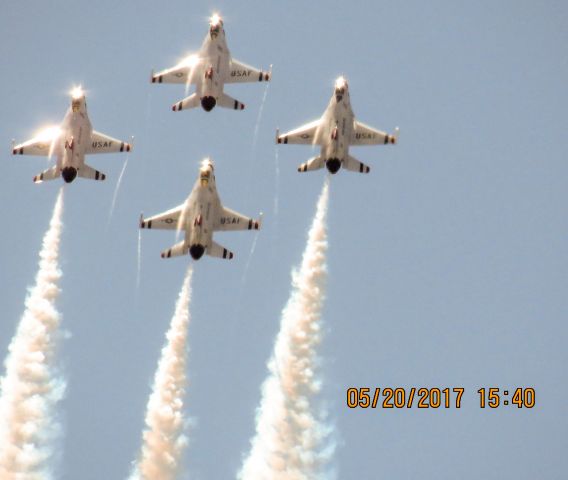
point(163, 440)
point(292, 438)
point(31, 386)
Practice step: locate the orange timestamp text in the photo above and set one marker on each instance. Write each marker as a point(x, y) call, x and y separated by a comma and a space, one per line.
point(493, 397)
point(365, 397)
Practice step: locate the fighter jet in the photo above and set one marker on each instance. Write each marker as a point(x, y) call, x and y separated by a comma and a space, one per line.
point(200, 216)
point(335, 131)
point(70, 142)
point(209, 71)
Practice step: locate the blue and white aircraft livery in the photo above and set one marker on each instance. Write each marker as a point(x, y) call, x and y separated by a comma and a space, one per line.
point(209, 70)
point(70, 142)
point(335, 132)
point(200, 216)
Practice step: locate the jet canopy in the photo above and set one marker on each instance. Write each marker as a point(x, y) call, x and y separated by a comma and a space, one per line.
point(77, 99)
point(204, 177)
point(205, 172)
point(340, 88)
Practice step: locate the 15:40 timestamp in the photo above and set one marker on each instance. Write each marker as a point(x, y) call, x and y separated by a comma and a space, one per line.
point(493, 397)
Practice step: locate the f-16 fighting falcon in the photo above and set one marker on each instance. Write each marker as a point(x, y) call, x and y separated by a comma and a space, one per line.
point(200, 216)
point(209, 71)
point(335, 131)
point(70, 142)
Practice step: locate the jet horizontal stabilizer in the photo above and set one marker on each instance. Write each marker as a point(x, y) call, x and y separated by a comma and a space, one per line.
point(49, 174)
point(90, 173)
point(188, 102)
point(175, 251)
point(355, 165)
point(216, 250)
point(226, 101)
point(312, 164)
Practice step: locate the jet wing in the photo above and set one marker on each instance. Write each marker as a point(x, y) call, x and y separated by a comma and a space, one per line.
point(104, 144)
point(243, 73)
point(229, 220)
point(304, 135)
point(177, 74)
point(39, 145)
point(164, 221)
point(32, 147)
point(365, 135)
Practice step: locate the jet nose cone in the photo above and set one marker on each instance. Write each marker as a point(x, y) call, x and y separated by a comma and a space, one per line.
point(69, 174)
point(196, 251)
point(333, 165)
point(208, 103)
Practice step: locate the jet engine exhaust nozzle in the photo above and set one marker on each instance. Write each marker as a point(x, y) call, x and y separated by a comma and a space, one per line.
point(196, 251)
point(333, 165)
point(208, 103)
point(69, 174)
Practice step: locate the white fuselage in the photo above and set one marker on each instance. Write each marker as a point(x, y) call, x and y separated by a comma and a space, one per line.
point(215, 62)
point(202, 208)
point(336, 128)
point(75, 138)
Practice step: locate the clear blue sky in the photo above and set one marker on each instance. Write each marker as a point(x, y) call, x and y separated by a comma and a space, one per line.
point(448, 262)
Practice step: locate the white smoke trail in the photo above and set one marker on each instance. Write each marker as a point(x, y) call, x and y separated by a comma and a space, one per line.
point(163, 439)
point(32, 386)
point(116, 189)
point(292, 438)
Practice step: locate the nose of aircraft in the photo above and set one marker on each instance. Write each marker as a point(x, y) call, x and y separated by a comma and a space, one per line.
point(196, 251)
point(340, 88)
point(69, 174)
point(208, 103)
point(215, 25)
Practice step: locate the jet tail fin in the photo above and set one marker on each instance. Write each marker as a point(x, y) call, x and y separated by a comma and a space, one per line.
point(49, 174)
point(176, 250)
point(229, 102)
point(312, 164)
point(188, 102)
point(90, 173)
point(355, 165)
point(216, 250)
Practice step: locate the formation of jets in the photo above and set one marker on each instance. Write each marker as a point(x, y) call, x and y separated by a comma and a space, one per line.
point(202, 213)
